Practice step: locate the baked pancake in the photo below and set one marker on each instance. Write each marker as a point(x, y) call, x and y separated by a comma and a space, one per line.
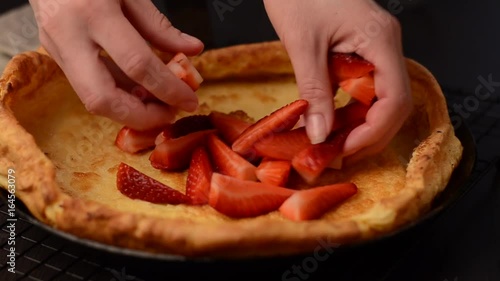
point(65, 162)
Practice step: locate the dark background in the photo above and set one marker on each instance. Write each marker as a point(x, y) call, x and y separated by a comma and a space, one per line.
point(456, 40)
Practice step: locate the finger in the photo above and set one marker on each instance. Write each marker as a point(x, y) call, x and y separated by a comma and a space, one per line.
point(132, 54)
point(100, 95)
point(309, 60)
point(394, 103)
point(125, 83)
point(364, 152)
point(156, 28)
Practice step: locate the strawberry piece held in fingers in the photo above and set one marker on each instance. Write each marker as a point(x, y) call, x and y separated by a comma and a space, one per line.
point(343, 66)
point(137, 185)
point(181, 66)
point(239, 198)
point(313, 203)
point(362, 89)
point(353, 113)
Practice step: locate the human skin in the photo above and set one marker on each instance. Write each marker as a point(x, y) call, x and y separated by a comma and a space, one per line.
point(115, 85)
point(311, 30)
point(75, 33)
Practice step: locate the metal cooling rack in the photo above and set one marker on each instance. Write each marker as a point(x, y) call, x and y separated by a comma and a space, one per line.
point(43, 256)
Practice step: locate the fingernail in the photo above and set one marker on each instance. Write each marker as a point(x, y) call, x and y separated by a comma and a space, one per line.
point(190, 38)
point(316, 128)
point(189, 106)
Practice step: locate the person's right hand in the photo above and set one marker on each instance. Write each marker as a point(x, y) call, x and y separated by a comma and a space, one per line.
point(75, 32)
point(311, 31)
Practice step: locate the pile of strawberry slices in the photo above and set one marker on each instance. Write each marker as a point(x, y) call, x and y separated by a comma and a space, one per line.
point(242, 168)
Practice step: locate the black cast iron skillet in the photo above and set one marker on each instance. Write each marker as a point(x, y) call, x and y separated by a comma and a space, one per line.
point(152, 264)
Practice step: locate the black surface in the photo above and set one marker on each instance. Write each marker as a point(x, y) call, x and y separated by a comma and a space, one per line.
point(11, 4)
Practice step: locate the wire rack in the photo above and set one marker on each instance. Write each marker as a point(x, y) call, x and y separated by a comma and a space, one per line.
point(41, 255)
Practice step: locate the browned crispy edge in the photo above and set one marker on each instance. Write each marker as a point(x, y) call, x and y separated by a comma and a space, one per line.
point(250, 60)
point(242, 238)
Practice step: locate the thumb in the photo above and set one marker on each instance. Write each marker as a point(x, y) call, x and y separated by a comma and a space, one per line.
point(311, 72)
point(156, 28)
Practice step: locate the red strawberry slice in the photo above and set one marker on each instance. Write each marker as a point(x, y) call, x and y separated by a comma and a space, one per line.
point(284, 145)
point(133, 141)
point(280, 120)
point(361, 89)
point(274, 172)
point(137, 185)
point(239, 199)
point(164, 135)
point(175, 154)
point(344, 66)
point(353, 113)
point(313, 160)
point(228, 162)
point(229, 126)
point(185, 126)
point(199, 176)
point(313, 203)
point(181, 66)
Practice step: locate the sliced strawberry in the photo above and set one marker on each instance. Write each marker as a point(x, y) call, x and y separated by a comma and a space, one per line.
point(280, 120)
point(313, 203)
point(353, 113)
point(175, 154)
point(344, 66)
point(164, 135)
point(184, 126)
point(133, 141)
point(199, 176)
point(361, 89)
point(228, 162)
point(187, 125)
point(313, 160)
point(181, 66)
point(137, 185)
point(238, 198)
point(274, 172)
point(229, 126)
point(284, 145)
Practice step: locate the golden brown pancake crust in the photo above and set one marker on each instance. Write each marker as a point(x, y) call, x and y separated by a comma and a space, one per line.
point(65, 162)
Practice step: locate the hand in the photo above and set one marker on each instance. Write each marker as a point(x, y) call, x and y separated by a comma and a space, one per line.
point(310, 30)
point(76, 32)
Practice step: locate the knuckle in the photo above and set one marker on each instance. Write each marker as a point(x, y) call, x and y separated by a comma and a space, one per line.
point(161, 20)
point(136, 65)
point(313, 90)
point(95, 104)
point(394, 26)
